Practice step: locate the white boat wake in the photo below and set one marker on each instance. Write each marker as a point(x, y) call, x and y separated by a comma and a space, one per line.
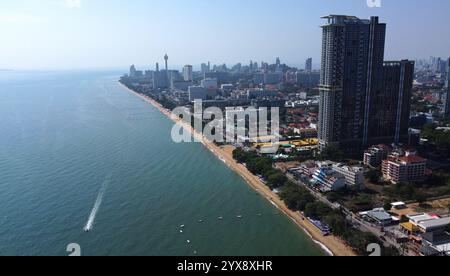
point(90, 223)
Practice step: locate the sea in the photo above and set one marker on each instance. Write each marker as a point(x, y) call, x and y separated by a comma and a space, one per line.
point(84, 162)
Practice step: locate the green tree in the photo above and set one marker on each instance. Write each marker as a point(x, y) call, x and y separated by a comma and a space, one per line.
point(332, 153)
point(420, 197)
point(387, 206)
point(336, 222)
point(374, 176)
point(295, 197)
point(317, 210)
point(276, 180)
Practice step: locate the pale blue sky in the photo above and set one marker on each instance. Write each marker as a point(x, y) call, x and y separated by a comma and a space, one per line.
point(73, 34)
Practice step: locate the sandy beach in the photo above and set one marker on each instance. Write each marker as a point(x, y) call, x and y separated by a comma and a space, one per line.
point(331, 244)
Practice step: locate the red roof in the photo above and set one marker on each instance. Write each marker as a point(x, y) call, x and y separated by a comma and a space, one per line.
point(412, 159)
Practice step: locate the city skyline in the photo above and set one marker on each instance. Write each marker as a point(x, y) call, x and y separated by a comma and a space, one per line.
point(95, 34)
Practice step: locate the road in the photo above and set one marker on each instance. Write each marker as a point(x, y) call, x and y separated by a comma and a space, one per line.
point(359, 224)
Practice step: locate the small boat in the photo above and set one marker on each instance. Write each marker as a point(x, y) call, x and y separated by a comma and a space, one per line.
point(181, 231)
point(239, 217)
point(182, 226)
point(259, 215)
point(220, 218)
point(201, 221)
point(188, 241)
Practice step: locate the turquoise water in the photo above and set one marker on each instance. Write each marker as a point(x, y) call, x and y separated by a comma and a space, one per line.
point(72, 140)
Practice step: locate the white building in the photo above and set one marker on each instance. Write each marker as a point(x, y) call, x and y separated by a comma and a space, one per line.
point(375, 155)
point(327, 180)
point(354, 176)
point(210, 84)
point(188, 73)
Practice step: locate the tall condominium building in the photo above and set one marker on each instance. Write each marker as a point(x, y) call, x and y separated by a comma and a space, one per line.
point(188, 73)
point(278, 61)
point(447, 102)
point(160, 79)
point(390, 107)
point(308, 65)
point(356, 85)
point(132, 71)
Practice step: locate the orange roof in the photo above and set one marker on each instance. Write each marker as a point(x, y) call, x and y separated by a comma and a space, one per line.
point(412, 159)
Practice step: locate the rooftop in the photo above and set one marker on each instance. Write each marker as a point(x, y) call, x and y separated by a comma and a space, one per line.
point(435, 223)
point(379, 214)
point(412, 159)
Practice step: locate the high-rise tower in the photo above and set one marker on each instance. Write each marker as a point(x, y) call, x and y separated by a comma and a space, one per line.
point(363, 100)
point(352, 63)
point(308, 65)
point(447, 102)
point(166, 61)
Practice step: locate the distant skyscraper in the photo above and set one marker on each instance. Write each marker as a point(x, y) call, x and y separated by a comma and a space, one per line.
point(166, 61)
point(205, 68)
point(132, 71)
point(255, 66)
point(447, 102)
point(161, 78)
point(188, 73)
point(352, 72)
point(308, 65)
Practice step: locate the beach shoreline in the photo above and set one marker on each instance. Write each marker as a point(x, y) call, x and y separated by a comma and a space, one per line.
point(332, 245)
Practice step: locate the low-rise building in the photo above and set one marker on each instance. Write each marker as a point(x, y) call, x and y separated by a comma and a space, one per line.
point(434, 225)
point(209, 84)
point(375, 155)
point(354, 176)
point(327, 180)
point(378, 216)
point(407, 168)
point(261, 93)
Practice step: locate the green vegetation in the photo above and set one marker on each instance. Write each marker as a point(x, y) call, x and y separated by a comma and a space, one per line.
point(374, 176)
point(298, 198)
point(317, 210)
point(437, 184)
point(331, 153)
point(439, 138)
point(354, 199)
point(276, 180)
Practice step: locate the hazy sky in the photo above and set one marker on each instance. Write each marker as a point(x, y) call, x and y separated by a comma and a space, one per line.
point(66, 34)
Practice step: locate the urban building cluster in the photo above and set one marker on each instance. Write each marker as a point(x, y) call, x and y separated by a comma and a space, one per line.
point(364, 100)
point(397, 165)
point(427, 234)
point(326, 176)
point(367, 114)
